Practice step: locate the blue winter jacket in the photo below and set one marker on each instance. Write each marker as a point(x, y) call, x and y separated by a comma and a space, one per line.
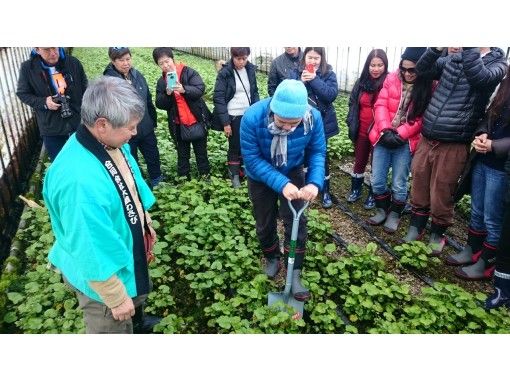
point(256, 149)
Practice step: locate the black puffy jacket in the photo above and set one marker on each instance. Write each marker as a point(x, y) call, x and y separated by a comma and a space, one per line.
point(466, 82)
point(225, 89)
point(194, 90)
point(149, 120)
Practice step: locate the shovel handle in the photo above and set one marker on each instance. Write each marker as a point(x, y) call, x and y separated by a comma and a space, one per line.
point(292, 247)
point(295, 222)
point(297, 214)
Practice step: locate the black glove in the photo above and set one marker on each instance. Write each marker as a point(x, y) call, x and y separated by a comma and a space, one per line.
point(391, 140)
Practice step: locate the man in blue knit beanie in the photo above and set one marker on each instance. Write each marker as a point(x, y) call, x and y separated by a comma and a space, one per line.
point(275, 134)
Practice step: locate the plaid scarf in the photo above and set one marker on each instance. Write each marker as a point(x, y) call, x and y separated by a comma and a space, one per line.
point(279, 142)
point(403, 108)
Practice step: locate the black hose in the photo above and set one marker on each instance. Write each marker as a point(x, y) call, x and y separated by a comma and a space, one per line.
point(426, 279)
point(449, 240)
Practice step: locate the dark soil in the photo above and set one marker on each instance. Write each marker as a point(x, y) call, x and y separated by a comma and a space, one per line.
point(344, 226)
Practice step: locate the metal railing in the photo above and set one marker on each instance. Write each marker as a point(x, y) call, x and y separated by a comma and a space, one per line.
point(18, 134)
point(347, 62)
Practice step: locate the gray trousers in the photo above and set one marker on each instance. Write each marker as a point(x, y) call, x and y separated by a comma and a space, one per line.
point(99, 318)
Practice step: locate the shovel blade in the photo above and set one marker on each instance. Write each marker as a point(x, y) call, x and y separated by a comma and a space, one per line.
point(298, 306)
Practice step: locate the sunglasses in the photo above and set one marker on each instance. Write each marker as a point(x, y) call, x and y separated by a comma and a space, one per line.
point(411, 70)
point(119, 48)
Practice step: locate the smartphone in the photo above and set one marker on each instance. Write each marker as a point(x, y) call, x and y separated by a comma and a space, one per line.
point(171, 80)
point(310, 68)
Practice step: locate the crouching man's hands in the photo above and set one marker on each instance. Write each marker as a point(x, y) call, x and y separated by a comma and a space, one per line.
point(308, 192)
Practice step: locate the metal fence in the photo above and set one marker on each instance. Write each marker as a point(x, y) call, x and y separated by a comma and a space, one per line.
point(347, 62)
point(18, 135)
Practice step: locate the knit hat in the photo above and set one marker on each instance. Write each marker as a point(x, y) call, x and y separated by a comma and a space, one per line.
point(290, 100)
point(413, 54)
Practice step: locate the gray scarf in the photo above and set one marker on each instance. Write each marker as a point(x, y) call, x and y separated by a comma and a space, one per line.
point(279, 142)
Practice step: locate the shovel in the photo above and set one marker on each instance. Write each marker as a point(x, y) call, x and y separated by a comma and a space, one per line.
point(286, 296)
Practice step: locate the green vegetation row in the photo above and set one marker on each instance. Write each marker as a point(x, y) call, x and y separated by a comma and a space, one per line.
point(207, 274)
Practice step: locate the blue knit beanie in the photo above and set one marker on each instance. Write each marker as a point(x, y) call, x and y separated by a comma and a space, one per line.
point(290, 100)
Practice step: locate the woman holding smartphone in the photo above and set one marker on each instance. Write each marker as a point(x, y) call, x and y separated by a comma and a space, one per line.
point(179, 91)
point(321, 85)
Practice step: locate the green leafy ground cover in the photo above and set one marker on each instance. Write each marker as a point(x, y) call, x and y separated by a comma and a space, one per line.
point(207, 274)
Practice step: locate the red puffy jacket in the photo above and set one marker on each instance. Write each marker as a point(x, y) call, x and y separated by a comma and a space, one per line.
point(386, 107)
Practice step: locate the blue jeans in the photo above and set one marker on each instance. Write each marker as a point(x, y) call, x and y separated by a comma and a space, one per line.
point(399, 159)
point(488, 189)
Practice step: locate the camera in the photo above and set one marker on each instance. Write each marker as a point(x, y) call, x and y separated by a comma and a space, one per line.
point(65, 109)
point(310, 68)
point(171, 80)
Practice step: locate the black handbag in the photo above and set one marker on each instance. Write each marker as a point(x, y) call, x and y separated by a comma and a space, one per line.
point(193, 132)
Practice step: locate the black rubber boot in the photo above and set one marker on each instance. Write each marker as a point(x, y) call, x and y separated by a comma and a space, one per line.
point(501, 295)
point(382, 204)
point(299, 292)
point(325, 195)
point(370, 201)
point(233, 171)
point(483, 269)
point(144, 323)
point(437, 239)
point(419, 218)
point(471, 251)
point(356, 186)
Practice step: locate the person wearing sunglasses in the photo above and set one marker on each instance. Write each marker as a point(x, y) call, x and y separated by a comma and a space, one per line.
point(398, 120)
point(467, 80)
point(121, 67)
